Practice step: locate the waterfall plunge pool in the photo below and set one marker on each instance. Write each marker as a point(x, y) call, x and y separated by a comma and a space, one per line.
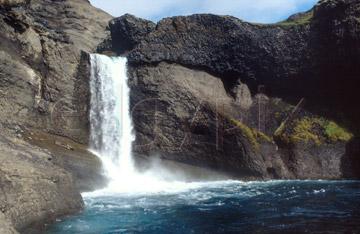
point(144, 203)
point(222, 207)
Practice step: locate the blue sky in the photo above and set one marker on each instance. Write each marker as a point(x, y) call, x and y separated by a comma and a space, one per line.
point(260, 11)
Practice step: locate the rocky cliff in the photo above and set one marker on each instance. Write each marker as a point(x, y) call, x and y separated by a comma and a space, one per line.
point(250, 101)
point(44, 92)
point(254, 101)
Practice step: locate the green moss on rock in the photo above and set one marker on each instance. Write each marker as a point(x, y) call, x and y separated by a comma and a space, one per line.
point(336, 133)
point(252, 135)
point(261, 136)
point(312, 131)
point(303, 131)
point(279, 129)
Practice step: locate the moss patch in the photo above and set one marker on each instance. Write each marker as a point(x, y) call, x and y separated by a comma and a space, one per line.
point(252, 135)
point(336, 133)
point(303, 131)
point(312, 131)
point(261, 136)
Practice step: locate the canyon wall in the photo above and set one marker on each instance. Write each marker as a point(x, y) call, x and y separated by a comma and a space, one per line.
point(254, 101)
point(44, 97)
point(249, 101)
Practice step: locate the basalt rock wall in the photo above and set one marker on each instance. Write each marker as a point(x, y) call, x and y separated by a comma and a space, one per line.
point(251, 100)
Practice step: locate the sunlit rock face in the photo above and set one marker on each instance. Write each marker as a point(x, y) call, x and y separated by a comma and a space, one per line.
point(286, 87)
point(44, 96)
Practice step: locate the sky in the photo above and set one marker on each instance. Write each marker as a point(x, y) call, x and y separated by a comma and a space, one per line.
point(257, 11)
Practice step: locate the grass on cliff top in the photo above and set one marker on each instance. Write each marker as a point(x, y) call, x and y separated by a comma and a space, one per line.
point(305, 18)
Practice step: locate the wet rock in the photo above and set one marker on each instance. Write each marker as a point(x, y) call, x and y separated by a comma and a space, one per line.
point(68, 147)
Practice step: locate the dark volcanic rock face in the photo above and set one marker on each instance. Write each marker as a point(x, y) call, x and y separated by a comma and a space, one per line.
point(312, 55)
point(288, 57)
point(128, 31)
point(292, 57)
point(225, 45)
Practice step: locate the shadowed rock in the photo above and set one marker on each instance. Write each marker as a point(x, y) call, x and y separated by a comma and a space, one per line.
point(127, 31)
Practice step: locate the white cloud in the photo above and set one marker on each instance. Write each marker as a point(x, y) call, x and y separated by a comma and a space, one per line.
point(262, 11)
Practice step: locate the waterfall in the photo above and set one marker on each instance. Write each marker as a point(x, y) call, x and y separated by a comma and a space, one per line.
point(111, 134)
point(111, 127)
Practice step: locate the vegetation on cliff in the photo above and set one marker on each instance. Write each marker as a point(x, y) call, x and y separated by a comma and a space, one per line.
point(292, 22)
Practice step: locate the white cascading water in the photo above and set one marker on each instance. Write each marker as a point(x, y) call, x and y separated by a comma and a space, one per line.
point(111, 134)
point(111, 129)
